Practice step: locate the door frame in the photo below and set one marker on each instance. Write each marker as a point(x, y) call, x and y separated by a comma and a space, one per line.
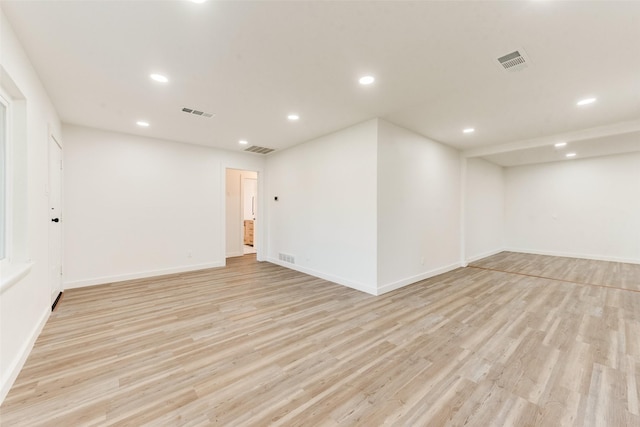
point(243, 189)
point(260, 231)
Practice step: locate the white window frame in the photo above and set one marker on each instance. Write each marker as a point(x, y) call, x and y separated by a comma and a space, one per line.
point(5, 255)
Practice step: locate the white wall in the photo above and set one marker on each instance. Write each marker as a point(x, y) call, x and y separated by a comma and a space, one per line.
point(325, 215)
point(588, 208)
point(138, 207)
point(25, 302)
point(418, 207)
point(483, 209)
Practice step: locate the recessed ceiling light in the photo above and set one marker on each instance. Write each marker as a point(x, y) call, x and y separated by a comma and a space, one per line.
point(560, 144)
point(570, 154)
point(293, 117)
point(469, 130)
point(367, 80)
point(243, 142)
point(143, 124)
point(159, 78)
point(586, 101)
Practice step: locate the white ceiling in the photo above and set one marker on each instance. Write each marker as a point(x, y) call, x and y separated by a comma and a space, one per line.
point(253, 62)
point(584, 148)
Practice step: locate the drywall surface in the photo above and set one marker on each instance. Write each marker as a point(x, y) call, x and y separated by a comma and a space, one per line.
point(418, 207)
point(484, 209)
point(25, 301)
point(588, 208)
point(325, 215)
point(138, 207)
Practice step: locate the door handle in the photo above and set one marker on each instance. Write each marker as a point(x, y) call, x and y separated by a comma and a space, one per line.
point(55, 219)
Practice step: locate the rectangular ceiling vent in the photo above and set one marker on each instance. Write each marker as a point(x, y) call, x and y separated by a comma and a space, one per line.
point(514, 61)
point(197, 112)
point(259, 150)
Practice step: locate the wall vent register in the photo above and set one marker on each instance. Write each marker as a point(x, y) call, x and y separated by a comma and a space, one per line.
point(287, 258)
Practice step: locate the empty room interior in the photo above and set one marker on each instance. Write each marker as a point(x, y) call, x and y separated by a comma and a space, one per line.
point(301, 213)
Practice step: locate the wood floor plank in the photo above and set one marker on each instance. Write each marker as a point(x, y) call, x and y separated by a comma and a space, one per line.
point(599, 273)
point(513, 340)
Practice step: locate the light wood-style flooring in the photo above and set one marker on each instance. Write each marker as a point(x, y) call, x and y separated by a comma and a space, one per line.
point(582, 271)
point(513, 340)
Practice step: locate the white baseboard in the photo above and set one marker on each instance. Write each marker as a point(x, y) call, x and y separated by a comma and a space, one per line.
point(335, 279)
point(234, 254)
point(11, 373)
point(140, 275)
point(573, 255)
point(484, 255)
point(413, 279)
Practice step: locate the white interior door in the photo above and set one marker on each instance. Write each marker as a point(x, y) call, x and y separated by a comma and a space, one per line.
point(250, 189)
point(55, 224)
point(250, 210)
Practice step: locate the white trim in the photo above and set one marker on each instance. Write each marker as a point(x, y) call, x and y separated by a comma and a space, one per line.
point(240, 230)
point(463, 211)
point(139, 275)
point(572, 255)
point(260, 231)
point(234, 254)
point(259, 234)
point(14, 275)
point(222, 202)
point(335, 279)
point(483, 255)
point(8, 181)
point(413, 279)
point(16, 366)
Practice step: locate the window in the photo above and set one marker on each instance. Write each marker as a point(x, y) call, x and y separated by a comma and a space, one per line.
point(14, 251)
point(4, 175)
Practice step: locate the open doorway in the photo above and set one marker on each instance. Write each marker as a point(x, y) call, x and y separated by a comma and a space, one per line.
point(249, 190)
point(241, 212)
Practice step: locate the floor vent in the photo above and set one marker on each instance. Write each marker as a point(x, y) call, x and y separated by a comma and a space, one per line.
point(259, 150)
point(514, 61)
point(197, 112)
point(55, 303)
point(287, 258)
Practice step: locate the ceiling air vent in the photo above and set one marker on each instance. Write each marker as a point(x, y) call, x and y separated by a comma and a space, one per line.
point(259, 150)
point(514, 61)
point(197, 112)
